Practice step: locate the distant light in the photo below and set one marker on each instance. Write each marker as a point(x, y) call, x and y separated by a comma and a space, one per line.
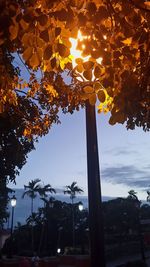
point(80, 207)
point(13, 201)
point(58, 250)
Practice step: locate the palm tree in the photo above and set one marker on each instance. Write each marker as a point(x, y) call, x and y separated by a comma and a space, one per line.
point(43, 191)
point(72, 190)
point(31, 190)
point(132, 195)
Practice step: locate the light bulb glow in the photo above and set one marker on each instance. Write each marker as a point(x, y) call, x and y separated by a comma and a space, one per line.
point(13, 202)
point(58, 250)
point(74, 51)
point(80, 207)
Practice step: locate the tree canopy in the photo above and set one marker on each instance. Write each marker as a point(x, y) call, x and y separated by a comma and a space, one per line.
point(37, 34)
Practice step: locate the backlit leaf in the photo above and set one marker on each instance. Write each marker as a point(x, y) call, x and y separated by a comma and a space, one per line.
point(13, 29)
point(79, 68)
point(24, 24)
point(48, 52)
point(27, 53)
point(79, 60)
point(34, 60)
point(101, 96)
point(92, 99)
point(63, 50)
point(87, 74)
point(88, 65)
point(44, 35)
point(88, 89)
point(97, 86)
point(57, 31)
point(97, 72)
point(127, 41)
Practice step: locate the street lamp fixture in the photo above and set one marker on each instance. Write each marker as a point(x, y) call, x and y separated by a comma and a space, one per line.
point(13, 202)
point(80, 207)
point(96, 229)
point(59, 250)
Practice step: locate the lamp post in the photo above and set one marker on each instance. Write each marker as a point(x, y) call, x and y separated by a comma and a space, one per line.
point(96, 229)
point(13, 202)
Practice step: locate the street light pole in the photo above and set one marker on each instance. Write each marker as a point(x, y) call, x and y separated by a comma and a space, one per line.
point(13, 204)
point(88, 79)
point(97, 255)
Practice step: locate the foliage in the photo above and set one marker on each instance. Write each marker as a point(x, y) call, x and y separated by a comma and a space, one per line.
point(14, 148)
point(121, 221)
point(39, 32)
point(72, 190)
point(4, 198)
point(12, 125)
point(56, 231)
point(43, 191)
point(31, 190)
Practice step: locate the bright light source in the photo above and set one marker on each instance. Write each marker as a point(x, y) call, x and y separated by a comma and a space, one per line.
point(13, 201)
point(58, 250)
point(80, 206)
point(78, 53)
point(74, 51)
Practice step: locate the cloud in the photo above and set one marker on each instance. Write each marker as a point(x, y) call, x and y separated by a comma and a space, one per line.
point(121, 151)
point(129, 175)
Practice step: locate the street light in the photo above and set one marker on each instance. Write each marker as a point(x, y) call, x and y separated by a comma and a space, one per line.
point(96, 229)
point(13, 202)
point(80, 206)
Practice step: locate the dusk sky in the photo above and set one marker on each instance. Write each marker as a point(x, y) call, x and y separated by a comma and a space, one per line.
point(60, 157)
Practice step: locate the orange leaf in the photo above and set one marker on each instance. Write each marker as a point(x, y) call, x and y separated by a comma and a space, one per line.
point(34, 60)
point(101, 96)
point(13, 29)
point(27, 53)
point(88, 89)
point(92, 99)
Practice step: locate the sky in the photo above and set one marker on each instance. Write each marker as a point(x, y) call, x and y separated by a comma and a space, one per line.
point(60, 157)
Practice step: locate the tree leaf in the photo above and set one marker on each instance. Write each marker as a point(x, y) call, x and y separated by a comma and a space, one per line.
point(53, 62)
point(101, 96)
point(63, 50)
point(92, 99)
point(97, 72)
point(79, 61)
point(88, 65)
point(57, 31)
point(24, 24)
point(42, 19)
point(79, 68)
point(127, 41)
point(88, 89)
point(48, 52)
point(97, 86)
point(87, 74)
point(13, 29)
point(44, 35)
point(27, 53)
point(34, 60)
